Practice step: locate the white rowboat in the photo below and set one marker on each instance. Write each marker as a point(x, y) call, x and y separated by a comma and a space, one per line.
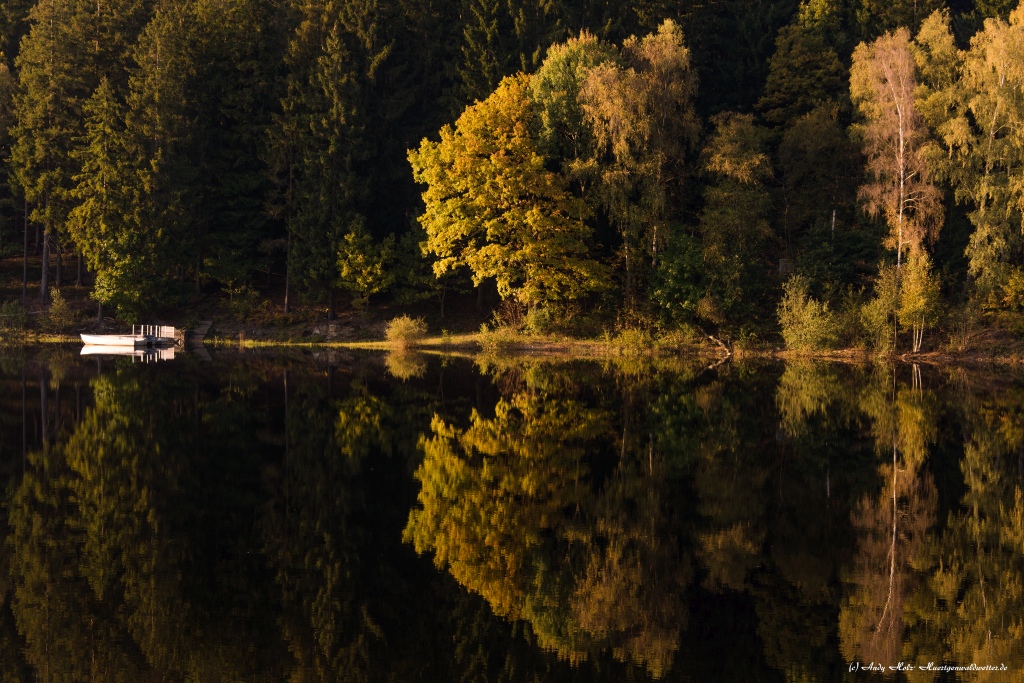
point(119, 340)
point(147, 335)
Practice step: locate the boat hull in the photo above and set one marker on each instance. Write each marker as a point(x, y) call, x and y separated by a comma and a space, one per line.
point(129, 340)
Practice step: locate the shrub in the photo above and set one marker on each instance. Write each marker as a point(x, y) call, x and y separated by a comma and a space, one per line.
point(1013, 290)
point(879, 314)
point(59, 317)
point(633, 341)
point(961, 321)
point(245, 303)
point(807, 324)
point(13, 316)
point(538, 321)
point(404, 331)
point(498, 339)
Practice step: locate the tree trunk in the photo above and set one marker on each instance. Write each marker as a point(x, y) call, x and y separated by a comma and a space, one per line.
point(78, 275)
point(444, 290)
point(59, 279)
point(99, 312)
point(330, 303)
point(24, 422)
point(288, 275)
point(24, 259)
point(44, 279)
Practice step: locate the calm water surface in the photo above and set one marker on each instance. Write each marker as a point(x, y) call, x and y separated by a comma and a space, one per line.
point(362, 518)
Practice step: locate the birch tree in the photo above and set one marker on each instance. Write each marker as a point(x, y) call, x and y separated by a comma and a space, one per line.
point(975, 101)
point(899, 188)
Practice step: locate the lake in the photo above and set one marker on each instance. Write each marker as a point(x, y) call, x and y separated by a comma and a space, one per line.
point(334, 516)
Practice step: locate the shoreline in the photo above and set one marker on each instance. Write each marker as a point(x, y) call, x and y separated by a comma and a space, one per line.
point(570, 348)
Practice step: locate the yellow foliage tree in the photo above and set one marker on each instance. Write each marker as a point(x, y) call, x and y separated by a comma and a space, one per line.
point(492, 204)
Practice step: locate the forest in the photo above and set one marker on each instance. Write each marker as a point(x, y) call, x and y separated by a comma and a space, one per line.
point(834, 172)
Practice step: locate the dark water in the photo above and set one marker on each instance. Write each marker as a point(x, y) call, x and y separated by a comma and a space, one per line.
point(351, 518)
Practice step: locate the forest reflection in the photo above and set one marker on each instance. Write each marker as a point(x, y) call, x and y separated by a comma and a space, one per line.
point(345, 519)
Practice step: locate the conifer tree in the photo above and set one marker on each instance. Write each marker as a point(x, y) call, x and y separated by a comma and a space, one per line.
point(878, 16)
point(198, 106)
point(110, 222)
point(70, 46)
point(319, 135)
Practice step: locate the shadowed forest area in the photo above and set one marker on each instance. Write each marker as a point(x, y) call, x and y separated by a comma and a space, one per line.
point(831, 173)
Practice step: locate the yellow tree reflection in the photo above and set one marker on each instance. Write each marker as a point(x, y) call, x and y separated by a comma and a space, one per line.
point(510, 508)
point(892, 525)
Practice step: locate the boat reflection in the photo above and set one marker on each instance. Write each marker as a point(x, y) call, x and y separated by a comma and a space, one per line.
point(144, 354)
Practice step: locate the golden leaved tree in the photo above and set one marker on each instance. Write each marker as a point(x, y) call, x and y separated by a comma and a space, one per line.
point(493, 206)
point(882, 84)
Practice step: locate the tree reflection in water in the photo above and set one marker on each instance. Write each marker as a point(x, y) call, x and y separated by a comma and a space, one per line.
point(591, 522)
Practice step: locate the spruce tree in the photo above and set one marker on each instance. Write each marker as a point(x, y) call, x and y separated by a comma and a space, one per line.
point(71, 44)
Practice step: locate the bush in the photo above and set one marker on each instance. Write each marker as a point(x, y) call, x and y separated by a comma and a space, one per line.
point(879, 314)
point(633, 341)
point(13, 316)
point(807, 324)
point(59, 317)
point(538, 321)
point(404, 331)
point(1013, 290)
point(245, 303)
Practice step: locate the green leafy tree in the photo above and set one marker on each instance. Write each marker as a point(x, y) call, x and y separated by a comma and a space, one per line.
point(880, 314)
point(734, 222)
point(493, 206)
point(564, 133)
point(919, 297)
point(363, 266)
point(641, 110)
point(818, 175)
point(973, 101)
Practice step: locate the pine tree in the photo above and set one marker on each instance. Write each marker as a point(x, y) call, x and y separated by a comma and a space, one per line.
point(70, 46)
point(199, 104)
point(878, 16)
point(110, 222)
point(319, 138)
